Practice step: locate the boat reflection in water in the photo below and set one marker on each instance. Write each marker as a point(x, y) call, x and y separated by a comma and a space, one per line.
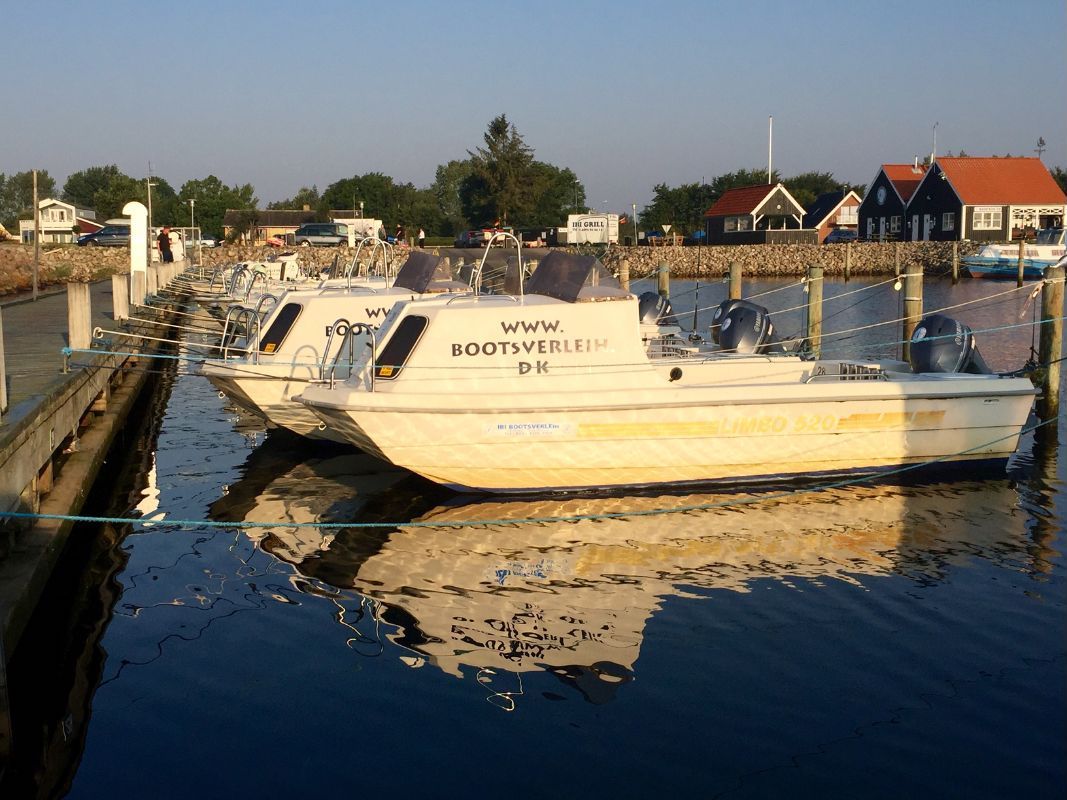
point(504, 587)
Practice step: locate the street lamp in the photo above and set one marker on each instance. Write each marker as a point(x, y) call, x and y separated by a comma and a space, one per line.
point(148, 186)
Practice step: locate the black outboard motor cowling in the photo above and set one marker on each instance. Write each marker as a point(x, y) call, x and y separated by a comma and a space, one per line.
point(721, 310)
point(942, 344)
point(747, 328)
point(654, 309)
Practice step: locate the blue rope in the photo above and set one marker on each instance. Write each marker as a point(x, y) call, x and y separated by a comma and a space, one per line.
point(206, 523)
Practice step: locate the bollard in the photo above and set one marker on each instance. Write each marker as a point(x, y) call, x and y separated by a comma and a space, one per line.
point(848, 260)
point(120, 297)
point(1050, 349)
point(955, 263)
point(138, 287)
point(814, 287)
point(3, 371)
point(913, 306)
point(79, 316)
point(735, 281)
point(663, 276)
point(624, 273)
point(1022, 261)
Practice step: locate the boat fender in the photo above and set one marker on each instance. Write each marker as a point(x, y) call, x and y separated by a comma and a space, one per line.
point(676, 374)
point(943, 344)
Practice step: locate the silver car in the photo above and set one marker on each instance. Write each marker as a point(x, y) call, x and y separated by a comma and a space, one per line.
point(322, 234)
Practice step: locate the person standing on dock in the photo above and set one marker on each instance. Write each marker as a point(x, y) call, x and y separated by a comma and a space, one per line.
point(164, 245)
point(422, 238)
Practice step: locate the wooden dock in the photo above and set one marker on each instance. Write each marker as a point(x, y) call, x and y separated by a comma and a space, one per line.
point(59, 409)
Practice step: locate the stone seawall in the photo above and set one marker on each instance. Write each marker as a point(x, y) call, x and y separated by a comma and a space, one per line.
point(66, 263)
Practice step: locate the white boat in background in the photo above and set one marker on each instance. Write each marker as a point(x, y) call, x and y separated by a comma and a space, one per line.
point(1001, 259)
point(553, 390)
point(304, 330)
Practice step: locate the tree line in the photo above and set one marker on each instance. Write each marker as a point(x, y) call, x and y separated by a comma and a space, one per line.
point(498, 183)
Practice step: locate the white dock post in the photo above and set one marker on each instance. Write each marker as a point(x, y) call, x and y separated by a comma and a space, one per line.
point(153, 280)
point(138, 215)
point(3, 369)
point(138, 287)
point(79, 316)
point(120, 297)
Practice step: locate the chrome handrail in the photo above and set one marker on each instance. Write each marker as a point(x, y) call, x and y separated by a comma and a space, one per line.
point(476, 276)
point(350, 331)
point(262, 300)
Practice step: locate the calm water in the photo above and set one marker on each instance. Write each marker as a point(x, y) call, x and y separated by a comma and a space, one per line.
point(871, 641)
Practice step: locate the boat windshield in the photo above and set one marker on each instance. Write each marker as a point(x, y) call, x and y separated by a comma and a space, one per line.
point(571, 277)
point(1050, 236)
point(421, 270)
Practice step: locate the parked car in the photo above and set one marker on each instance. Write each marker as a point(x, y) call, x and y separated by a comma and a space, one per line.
point(108, 236)
point(838, 235)
point(470, 239)
point(321, 234)
point(206, 240)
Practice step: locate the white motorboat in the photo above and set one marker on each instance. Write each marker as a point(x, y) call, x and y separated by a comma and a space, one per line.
point(303, 331)
point(553, 390)
point(1001, 259)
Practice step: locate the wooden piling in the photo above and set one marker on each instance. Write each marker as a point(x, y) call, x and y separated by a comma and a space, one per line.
point(663, 276)
point(848, 260)
point(814, 286)
point(1050, 349)
point(896, 258)
point(79, 316)
point(955, 263)
point(1022, 261)
point(139, 284)
point(735, 281)
point(913, 306)
point(3, 369)
point(120, 297)
point(624, 273)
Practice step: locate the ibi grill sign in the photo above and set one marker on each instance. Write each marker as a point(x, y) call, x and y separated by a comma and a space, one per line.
point(593, 228)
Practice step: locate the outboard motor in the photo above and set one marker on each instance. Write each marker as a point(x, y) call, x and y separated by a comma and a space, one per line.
point(721, 310)
point(747, 328)
point(941, 344)
point(654, 309)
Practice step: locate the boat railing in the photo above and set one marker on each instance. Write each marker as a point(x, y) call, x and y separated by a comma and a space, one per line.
point(237, 279)
point(219, 274)
point(385, 254)
point(512, 298)
point(236, 317)
point(256, 276)
point(348, 330)
point(476, 276)
point(260, 311)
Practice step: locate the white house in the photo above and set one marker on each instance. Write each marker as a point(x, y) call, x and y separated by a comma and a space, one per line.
point(58, 219)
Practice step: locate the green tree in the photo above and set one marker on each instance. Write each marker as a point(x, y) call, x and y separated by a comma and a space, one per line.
point(309, 197)
point(16, 195)
point(213, 198)
point(500, 172)
point(1059, 174)
point(446, 194)
point(81, 187)
point(806, 186)
point(555, 193)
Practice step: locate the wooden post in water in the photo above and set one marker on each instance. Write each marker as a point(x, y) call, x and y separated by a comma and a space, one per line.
point(1050, 349)
point(1022, 260)
point(139, 287)
point(848, 260)
point(896, 258)
point(79, 316)
point(913, 305)
point(955, 263)
point(3, 376)
point(735, 281)
point(120, 297)
point(624, 273)
point(663, 276)
point(814, 287)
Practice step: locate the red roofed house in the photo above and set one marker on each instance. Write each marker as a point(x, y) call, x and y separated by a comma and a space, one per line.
point(882, 213)
point(756, 215)
point(985, 199)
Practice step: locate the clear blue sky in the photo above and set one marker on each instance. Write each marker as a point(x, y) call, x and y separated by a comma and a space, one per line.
point(284, 94)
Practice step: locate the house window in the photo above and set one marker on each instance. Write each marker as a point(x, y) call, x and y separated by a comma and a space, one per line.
point(731, 224)
point(948, 221)
point(848, 216)
point(894, 224)
point(987, 218)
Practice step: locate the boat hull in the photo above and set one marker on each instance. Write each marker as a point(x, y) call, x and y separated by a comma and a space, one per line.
point(498, 450)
